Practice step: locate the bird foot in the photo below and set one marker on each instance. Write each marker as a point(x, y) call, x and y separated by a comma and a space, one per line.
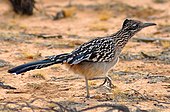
point(107, 82)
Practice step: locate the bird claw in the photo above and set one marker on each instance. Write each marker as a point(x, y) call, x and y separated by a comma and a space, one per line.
point(107, 81)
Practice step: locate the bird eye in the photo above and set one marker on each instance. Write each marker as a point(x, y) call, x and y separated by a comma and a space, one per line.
point(133, 27)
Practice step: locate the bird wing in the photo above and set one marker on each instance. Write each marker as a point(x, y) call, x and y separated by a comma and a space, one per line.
point(97, 50)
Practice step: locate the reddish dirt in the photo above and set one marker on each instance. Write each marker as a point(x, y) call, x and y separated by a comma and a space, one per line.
point(82, 24)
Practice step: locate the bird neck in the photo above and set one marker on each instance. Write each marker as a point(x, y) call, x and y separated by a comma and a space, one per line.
point(121, 38)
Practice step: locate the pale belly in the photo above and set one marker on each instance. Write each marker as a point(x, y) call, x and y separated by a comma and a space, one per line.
point(92, 69)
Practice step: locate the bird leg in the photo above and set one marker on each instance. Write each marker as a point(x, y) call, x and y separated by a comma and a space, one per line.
point(107, 80)
point(87, 88)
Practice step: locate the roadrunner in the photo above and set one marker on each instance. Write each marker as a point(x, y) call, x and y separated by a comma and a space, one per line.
point(94, 58)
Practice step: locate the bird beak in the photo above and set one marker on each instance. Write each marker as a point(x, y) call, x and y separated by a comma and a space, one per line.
point(147, 24)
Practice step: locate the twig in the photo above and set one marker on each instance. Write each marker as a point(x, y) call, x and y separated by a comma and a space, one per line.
point(4, 86)
point(113, 106)
point(149, 98)
point(18, 106)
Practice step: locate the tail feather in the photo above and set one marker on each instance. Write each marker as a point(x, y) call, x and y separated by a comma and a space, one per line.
point(39, 64)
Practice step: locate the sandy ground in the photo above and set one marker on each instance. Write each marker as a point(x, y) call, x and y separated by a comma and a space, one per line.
point(134, 77)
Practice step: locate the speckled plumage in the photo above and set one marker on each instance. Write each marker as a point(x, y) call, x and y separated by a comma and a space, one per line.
point(93, 58)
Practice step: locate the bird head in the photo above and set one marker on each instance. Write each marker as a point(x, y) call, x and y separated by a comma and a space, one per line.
point(133, 26)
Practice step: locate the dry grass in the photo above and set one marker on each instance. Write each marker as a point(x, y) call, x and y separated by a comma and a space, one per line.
point(99, 26)
point(70, 11)
point(34, 86)
point(105, 15)
point(165, 43)
point(38, 76)
point(28, 55)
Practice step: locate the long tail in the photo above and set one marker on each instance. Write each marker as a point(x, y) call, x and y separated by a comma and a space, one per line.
point(39, 64)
